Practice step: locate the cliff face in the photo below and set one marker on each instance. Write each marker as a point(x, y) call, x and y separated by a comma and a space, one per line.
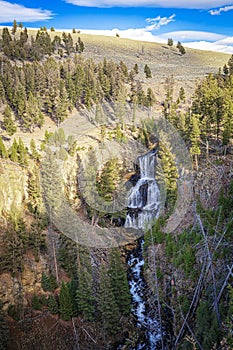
point(14, 196)
point(13, 187)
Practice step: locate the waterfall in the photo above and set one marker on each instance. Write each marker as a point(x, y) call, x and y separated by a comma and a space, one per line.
point(143, 205)
point(143, 200)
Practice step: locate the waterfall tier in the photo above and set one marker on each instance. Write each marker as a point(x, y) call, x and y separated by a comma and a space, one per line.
point(143, 200)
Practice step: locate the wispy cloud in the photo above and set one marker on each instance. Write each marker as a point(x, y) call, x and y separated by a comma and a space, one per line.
point(144, 34)
point(221, 9)
point(9, 12)
point(157, 22)
point(194, 4)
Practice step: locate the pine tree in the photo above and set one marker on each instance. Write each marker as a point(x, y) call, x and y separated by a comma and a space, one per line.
point(80, 46)
point(53, 305)
point(150, 98)
point(135, 68)
point(53, 283)
point(3, 151)
point(35, 154)
point(8, 121)
point(147, 71)
point(45, 282)
point(14, 152)
point(170, 42)
point(2, 94)
point(180, 48)
point(182, 94)
point(22, 153)
point(207, 329)
point(225, 70)
point(119, 283)
point(227, 120)
point(36, 304)
point(230, 65)
point(109, 179)
point(84, 293)
point(33, 116)
point(65, 303)
point(170, 173)
point(19, 99)
point(14, 28)
point(194, 136)
point(107, 306)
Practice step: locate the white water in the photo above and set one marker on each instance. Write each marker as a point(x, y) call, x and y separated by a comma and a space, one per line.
point(138, 287)
point(144, 204)
point(143, 199)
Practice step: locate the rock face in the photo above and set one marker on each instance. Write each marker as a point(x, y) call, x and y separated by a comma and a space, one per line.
point(14, 287)
point(13, 187)
point(13, 198)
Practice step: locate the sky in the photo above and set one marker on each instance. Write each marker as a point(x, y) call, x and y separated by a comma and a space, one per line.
point(201, 24)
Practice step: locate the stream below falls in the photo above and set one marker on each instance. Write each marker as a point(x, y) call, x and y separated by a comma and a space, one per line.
point(143, 208)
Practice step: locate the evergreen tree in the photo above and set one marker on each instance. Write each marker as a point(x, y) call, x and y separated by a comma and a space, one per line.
point(3, 151)
point(65, 303)
point(33, 116)
point(19, 99)
point(147, 71)
point(36, 304)
point(53, 305)
point(227, 120)
point(107, 306)
point(14, 152)
point(80, 46)
point(135, 68)
point(194, 136)
point(182, 94)
point(225, 69)
point(14, 28)
point(45, 282)
point(35, 154)
point(230, 65)
point(170, 42)
point(170, 173)
point(23, 37)
point(150, 98)
point(180, 48)
point(207, 329)
point(109, 179)
point(119, 283)
point(52, 283)
point(2, 94)
point(84, 296)
point(22, 153)
point(8, 122)
point(6, 37)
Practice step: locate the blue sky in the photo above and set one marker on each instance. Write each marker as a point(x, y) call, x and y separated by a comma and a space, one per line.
point(198, 23)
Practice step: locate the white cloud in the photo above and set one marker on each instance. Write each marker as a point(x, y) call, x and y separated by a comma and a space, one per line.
point(207, 46)
point(143, 34)
point(221, 9)
point(9, 12)
point(191, 4)
point(158, 21)
point(192, 39)
point(190, 35)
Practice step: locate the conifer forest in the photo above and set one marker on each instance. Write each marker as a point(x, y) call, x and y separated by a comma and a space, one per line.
point(72, 276)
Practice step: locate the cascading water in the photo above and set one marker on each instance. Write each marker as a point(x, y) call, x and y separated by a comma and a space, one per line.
point(143, 201)
point(143, 204)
